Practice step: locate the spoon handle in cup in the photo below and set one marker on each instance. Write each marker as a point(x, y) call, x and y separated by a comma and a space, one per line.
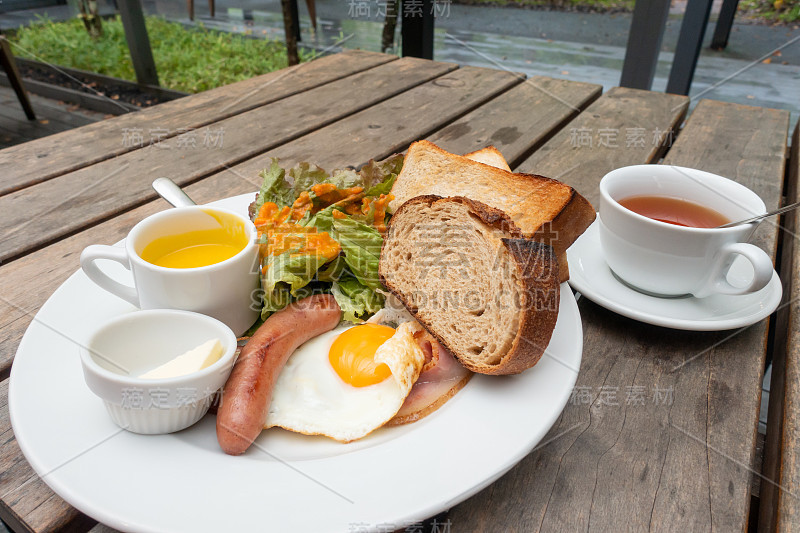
point(169, 191)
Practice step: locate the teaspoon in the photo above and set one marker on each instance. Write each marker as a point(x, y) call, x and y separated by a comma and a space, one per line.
point(169, 191)
point(765, 215)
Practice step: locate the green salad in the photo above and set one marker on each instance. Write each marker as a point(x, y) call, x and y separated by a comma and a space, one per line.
point(323, 232)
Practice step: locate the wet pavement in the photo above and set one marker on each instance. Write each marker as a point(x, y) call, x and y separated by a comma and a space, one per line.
point(586, 47)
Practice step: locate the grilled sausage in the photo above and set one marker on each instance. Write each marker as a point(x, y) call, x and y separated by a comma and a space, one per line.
point(248, 391)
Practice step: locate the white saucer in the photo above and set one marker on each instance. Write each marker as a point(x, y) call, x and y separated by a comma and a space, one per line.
point(589, 274)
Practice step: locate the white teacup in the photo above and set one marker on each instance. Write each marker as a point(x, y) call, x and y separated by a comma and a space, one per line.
point(670, 260)
point(225, 290)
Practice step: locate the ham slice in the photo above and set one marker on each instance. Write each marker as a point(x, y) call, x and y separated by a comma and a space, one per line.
point(442, 375)
point(441, 378)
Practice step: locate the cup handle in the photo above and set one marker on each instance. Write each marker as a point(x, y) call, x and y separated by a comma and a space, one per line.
point(762, 270)
point(96, 251)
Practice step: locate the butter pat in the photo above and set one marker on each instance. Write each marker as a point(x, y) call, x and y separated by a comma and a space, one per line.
point(195, 359)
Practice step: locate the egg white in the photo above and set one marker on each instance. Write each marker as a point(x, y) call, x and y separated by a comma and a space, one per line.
point(310, 397)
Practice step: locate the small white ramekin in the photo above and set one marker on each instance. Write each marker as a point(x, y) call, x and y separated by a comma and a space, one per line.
point(130, 345)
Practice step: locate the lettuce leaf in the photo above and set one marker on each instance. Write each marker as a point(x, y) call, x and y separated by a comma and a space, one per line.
point(384, 187)
point(304, 176)
point(283, 278)
point(346, 178)
point(284, 187)
point(352, 277)
point(334, 270)
point(357, 301)
point(274, 188)
point(379, 177)
point(361, 245)
point(323, 220)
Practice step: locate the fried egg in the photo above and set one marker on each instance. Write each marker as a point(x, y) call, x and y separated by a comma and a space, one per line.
point(345, 384)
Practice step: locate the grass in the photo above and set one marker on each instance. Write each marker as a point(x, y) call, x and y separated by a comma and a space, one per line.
point(772, 11)
point(190, 60)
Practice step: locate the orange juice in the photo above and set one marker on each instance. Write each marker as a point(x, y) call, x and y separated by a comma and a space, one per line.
point(198, 248)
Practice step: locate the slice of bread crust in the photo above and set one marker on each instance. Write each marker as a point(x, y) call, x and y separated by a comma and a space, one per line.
point(543, 208)
point(466, 273)
point(489, 156)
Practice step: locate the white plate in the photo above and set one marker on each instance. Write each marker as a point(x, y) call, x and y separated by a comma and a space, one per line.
point(589, 274)
point(287, 482)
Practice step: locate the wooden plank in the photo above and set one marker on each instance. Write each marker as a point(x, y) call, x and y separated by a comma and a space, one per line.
point(39, 161)
point(520, 120)
point(14, 119)
point(746, 144)
point(552, 488)
point(70, 202)
point(770, 465)
point(101, 79)
point(52, 110)
point(598, 141)
point(787, 517)
point(423, 109)
point(65, 94)
point(677, 457)
point(100, 528)
point(27, 503)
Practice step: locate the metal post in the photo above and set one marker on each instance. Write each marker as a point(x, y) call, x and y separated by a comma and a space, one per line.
point(295, 19)
point(644, 43)
point(138, 43)
point(417, 28)
point(693, 28)
point(722, 31)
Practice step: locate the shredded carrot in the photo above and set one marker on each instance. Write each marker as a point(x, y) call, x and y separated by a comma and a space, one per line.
point(284, 235)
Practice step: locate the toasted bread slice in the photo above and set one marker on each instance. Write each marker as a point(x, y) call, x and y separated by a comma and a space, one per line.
point(543, 208)
point(465, 272)
point(489, 156)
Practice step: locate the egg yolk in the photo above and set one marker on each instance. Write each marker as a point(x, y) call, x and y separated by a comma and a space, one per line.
point(352, 354)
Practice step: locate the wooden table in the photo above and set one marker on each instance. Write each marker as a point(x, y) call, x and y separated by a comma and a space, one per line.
point(662, 430)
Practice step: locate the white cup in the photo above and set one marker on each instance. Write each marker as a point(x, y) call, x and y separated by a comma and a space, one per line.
point(224, 290)
point(669, 260)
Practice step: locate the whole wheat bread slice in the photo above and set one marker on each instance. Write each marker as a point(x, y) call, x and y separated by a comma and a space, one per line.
point(491, 156)
point(543, 208)
point(465, 272)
